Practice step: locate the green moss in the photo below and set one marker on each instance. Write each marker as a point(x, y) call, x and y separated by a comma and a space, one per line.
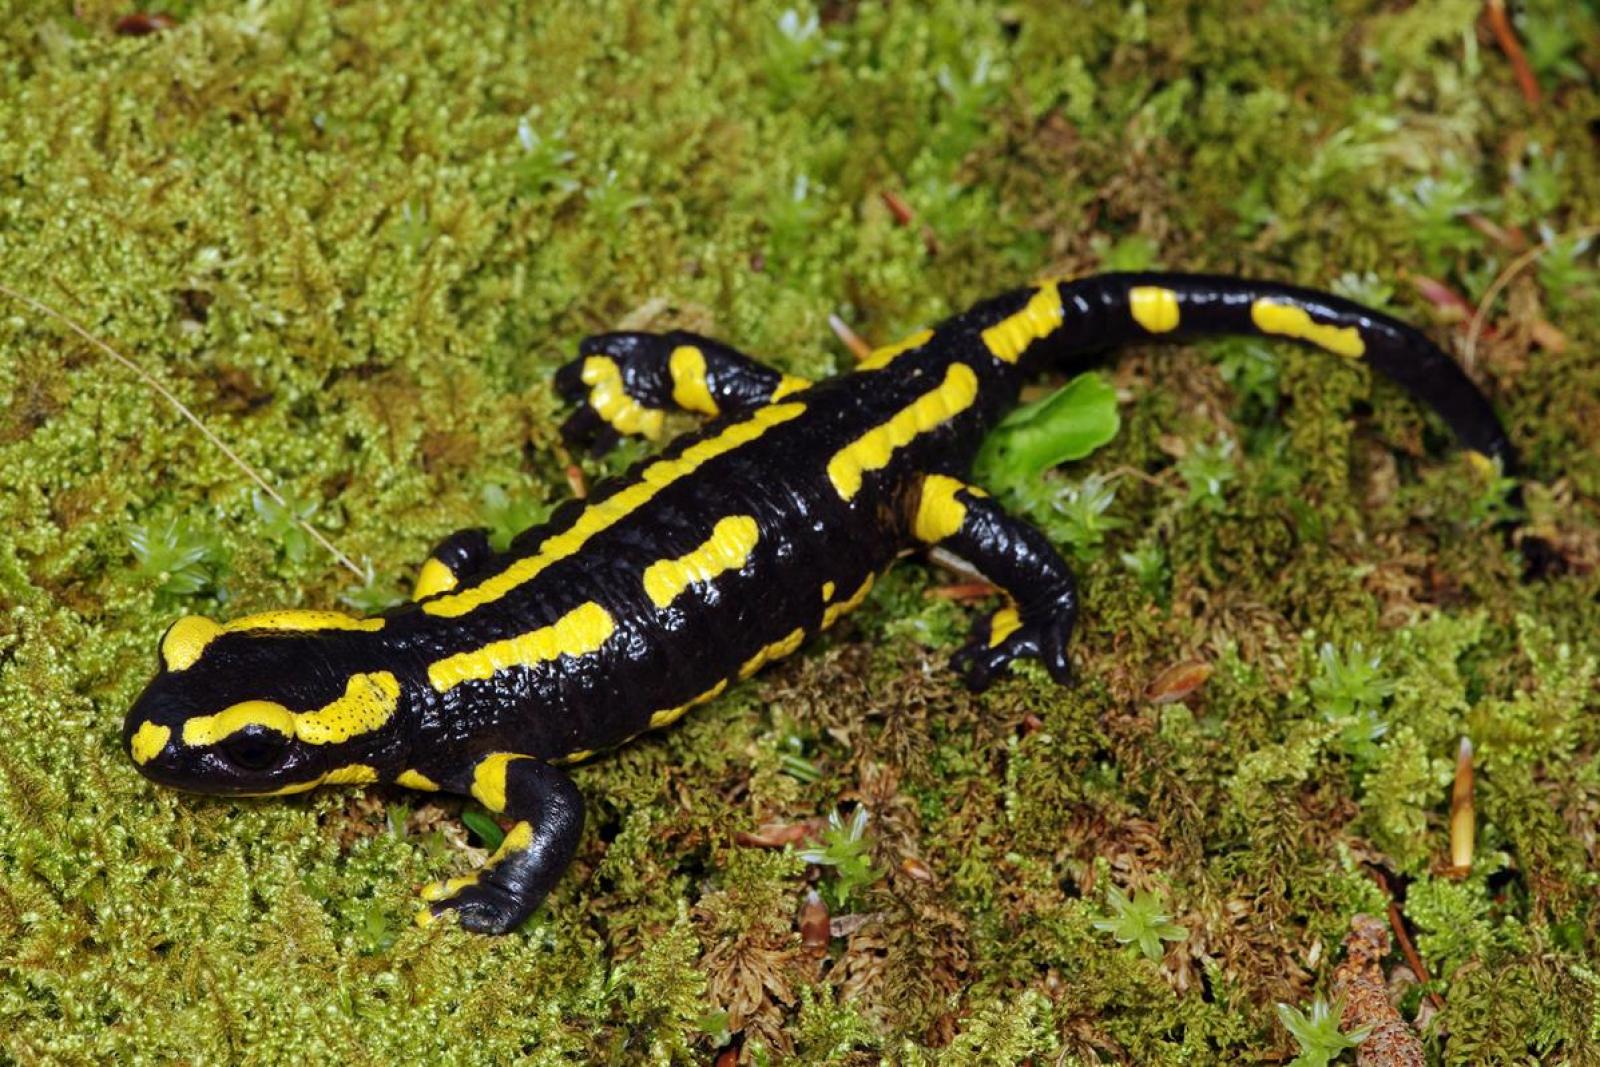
point(358, 239)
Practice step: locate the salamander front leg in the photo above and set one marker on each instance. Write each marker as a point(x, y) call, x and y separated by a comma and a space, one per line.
point(537, 849)
point(1037, 624)
point(455, 559)
point(625, 383)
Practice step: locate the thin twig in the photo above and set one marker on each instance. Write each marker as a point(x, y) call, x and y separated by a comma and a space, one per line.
point(183, 409)
point(1514, 268)
point(1397, 923)
point(1500, 23)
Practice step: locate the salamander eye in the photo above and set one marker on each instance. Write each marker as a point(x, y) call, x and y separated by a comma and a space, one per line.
point(254, 749)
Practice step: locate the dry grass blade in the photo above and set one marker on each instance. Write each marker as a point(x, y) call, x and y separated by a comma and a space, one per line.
point(1515, 267)
point(183, 409)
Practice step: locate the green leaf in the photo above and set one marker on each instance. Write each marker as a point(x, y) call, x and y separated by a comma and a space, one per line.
point(486, 828)
point(1066, 425)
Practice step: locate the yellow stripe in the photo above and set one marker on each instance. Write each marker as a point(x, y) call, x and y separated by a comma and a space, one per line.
point(788, 385)
point(610, 400)
point(727, 549)
point(1011, 336)
point(434, 577)
point(939, 513)
point(833, 612)
point(368, 702)
point(517, 839)
point(775, 651)
point(672, 715)
point(349, 774)
point(687, 365)
point(873, 449)
point(416, 780)
point(879, 358)
point(613, 509)
point(577, 633)
point(489, 780)
point(148, 741)
point(1154, 308)
point(1286, 320)
point(187, 639)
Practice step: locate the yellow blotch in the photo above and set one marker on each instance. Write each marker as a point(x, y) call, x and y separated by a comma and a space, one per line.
point(368, 702)
point(874, 449)
point(788, 385)
point(1286, 320)
point(434, 577)
point(573, 757)
point(727, 549)
point(489, 780)
point(828, 589)
point(687, 365)
point(834, 612)
point(443, 891)
point(1154, 308)
point(1040, 317)
point(416, 780)
point(148, 741)
point(1482, 464)
point(879, 358)
point(672, 715)
point(612, 510)
point(612, 403)
point(209, 729)
point(1002, 625)
point(577, 633)
point(187, 639)
point(775, 651)
point(939, 513)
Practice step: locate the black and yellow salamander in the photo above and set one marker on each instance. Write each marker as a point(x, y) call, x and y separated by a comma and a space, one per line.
point(722, 553)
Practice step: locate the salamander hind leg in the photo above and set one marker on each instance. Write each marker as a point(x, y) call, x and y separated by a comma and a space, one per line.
point(625, 383)
point(1042, 593)
point(548, 810)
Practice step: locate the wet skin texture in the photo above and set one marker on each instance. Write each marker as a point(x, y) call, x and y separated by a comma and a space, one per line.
point(696, 567)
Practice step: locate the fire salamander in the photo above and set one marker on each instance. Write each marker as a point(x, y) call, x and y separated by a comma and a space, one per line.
point(723, 553)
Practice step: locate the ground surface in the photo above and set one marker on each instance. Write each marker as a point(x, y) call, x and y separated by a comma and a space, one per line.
point(358, 240)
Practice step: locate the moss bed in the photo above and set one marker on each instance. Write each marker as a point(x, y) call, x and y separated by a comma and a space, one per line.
point(357, 240)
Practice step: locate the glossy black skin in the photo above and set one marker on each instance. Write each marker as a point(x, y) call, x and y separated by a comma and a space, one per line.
point(659, 659)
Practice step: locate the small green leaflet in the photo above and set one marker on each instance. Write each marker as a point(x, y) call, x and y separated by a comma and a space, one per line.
point(486, 828)
point(1066, 425)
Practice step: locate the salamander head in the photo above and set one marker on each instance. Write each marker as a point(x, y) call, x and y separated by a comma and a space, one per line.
point(258, 706)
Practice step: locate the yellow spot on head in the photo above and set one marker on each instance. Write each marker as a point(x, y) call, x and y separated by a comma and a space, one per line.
point(489, 780)
point(939, 513)
point(727, 549)
point(687, 366)
point(368, 702)
point(1154, 308)
point(434, 577)
point(612, 510)
point(874, 449)
point(1286, 320)
point(577, 633)
point(1040, 317)
point(186, 641)
point(828, 589)
point(148, 741)
point(210, 729)
point(879, 358)
point(610, 400)
point(416, 780)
